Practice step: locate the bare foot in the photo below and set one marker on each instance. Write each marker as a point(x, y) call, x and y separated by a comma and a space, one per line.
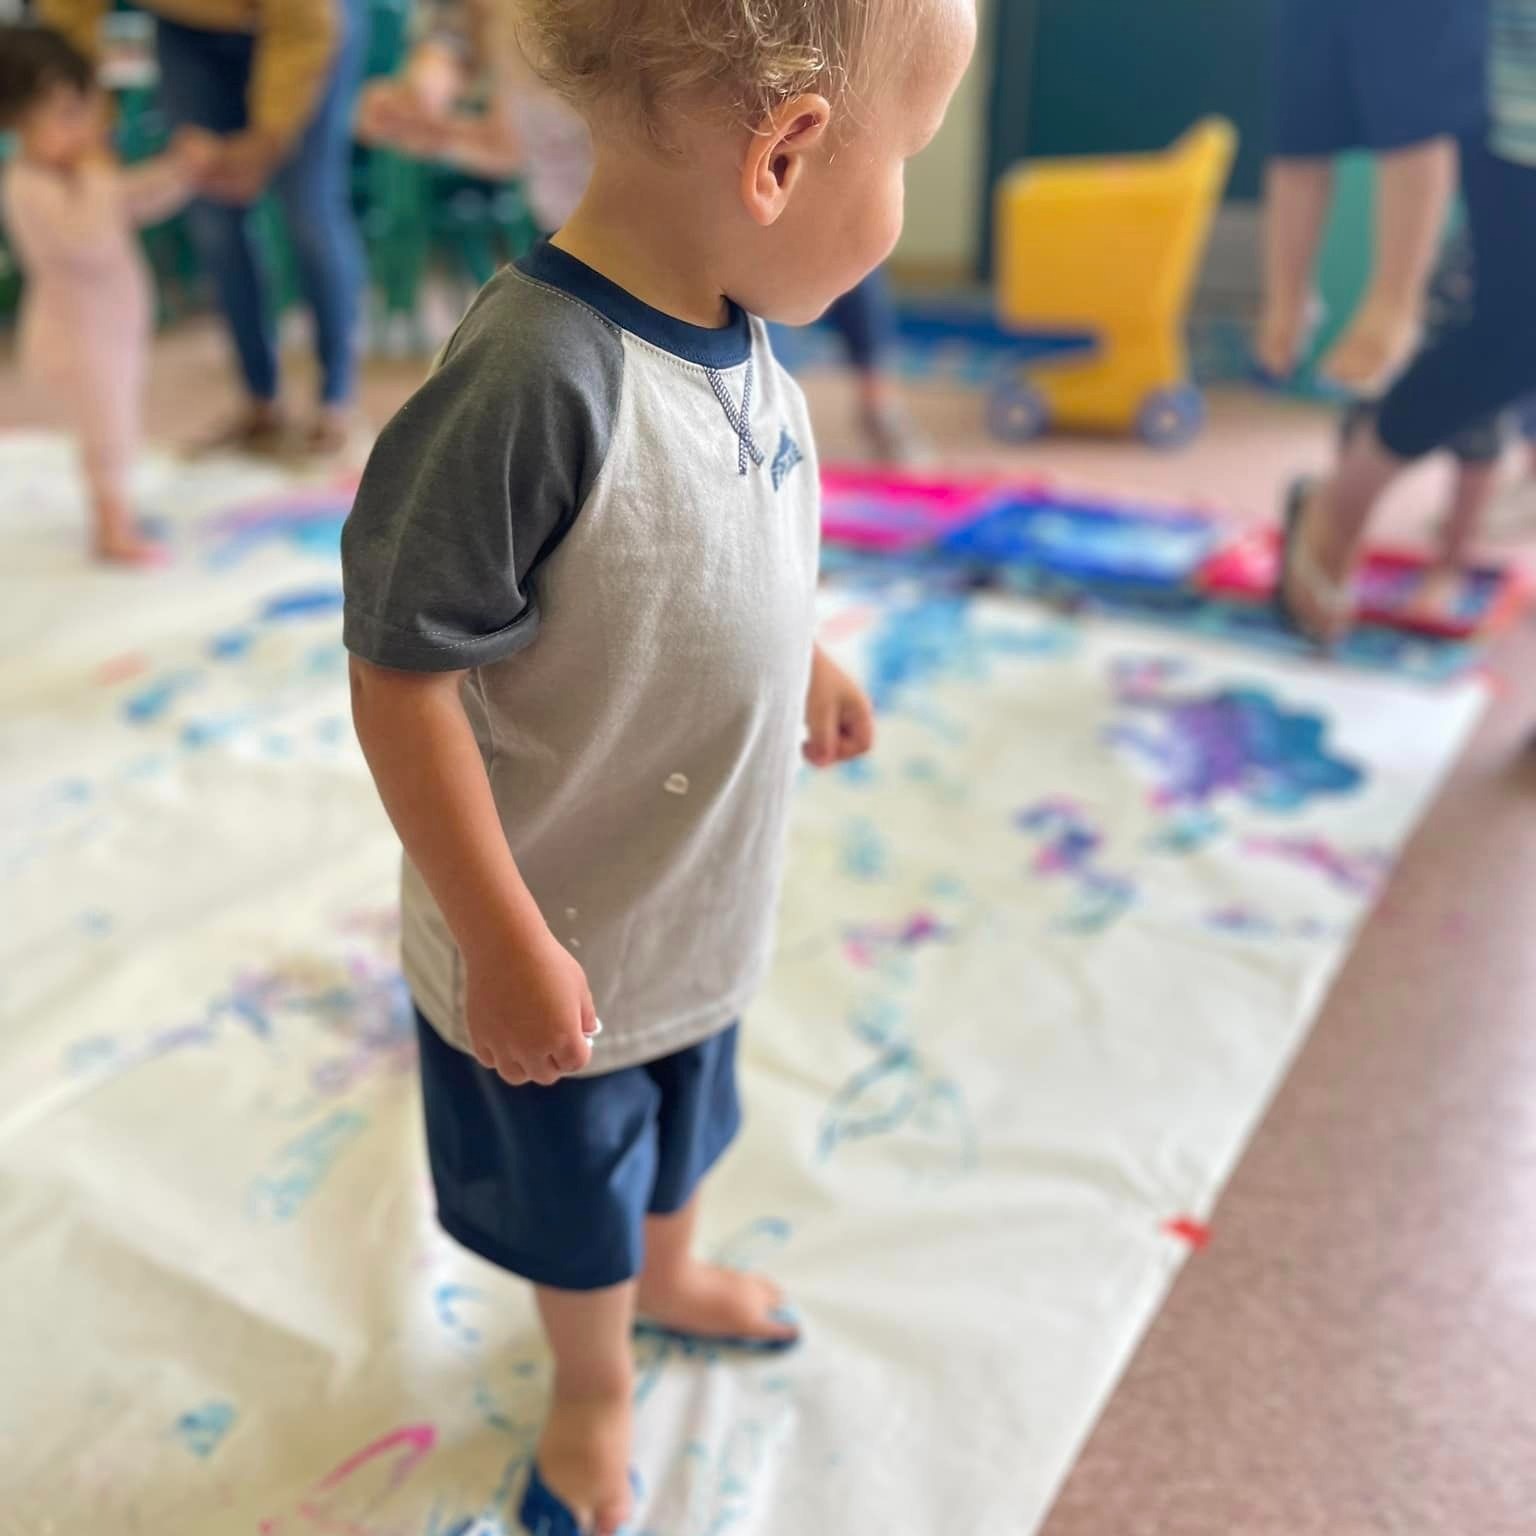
point(129, 547)
point(1284, 331)
point(329, 433)
point(261, 429)
point(710, 1302)
point(583, 1457)
point(1372, 351)
point(1438, 595)
point(893, 436)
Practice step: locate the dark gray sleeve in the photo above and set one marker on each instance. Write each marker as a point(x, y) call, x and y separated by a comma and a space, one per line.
point(475, 482)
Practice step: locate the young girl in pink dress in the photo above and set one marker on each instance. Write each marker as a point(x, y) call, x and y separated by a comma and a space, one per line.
point(72, 214)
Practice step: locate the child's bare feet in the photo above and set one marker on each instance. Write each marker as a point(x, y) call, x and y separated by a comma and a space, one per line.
point(711, 1302)
point(583, 1456)
point(1372, 351)
point(118, 540)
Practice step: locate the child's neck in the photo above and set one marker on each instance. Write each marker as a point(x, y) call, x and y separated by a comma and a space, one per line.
point(641, 227)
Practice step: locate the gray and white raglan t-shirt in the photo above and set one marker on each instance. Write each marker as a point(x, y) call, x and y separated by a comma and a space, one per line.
point(609, 520)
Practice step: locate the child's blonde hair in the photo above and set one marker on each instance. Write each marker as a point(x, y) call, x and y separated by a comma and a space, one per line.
point(747, 56)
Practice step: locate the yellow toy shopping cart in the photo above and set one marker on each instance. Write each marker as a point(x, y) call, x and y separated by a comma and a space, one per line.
point(1096, 261)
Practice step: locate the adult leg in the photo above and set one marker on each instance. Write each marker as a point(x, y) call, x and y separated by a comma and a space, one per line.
point(204, 77)
point(865, 318)
point(1475, 371)
point(1413, 197)
point(1297, 196)
point(315, 190)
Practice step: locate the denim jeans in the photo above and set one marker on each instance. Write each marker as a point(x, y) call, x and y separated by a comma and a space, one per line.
point(204, 80)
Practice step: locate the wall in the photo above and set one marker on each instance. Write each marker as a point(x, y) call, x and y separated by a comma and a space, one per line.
point(945, 182)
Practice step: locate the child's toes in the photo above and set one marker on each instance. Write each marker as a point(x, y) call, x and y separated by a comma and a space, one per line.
point(613, 1514)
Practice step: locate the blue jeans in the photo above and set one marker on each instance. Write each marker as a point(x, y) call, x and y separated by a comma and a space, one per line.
point(204, 80)
point(865, 318)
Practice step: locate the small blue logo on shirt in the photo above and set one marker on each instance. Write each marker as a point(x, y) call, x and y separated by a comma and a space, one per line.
point(785, 457)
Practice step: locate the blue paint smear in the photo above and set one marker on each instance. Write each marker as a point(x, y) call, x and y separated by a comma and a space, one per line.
point(196, 734)
point(939, 637)
point(231, 645)
point(151, 702)
point(201, 1429)
point(304, 603)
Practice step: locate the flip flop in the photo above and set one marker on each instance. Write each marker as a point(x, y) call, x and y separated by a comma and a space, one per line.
point(544, 1513)
point(701, 1343)
point(1298, 568)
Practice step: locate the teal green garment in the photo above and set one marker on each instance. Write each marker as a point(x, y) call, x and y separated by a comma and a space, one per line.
point(1512, 81)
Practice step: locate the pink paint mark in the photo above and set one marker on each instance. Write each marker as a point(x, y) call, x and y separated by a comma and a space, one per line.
point(1188, 1230)
point(409, 1445)
point(862, 946)
point(1360, 873)
point(118, 669)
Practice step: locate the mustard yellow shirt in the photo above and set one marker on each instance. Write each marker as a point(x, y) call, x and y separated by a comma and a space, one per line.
point(295, 43)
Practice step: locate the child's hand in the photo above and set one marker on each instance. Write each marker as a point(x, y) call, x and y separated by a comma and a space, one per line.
point(839, 719)
point(529, 1013)
point(195, 150)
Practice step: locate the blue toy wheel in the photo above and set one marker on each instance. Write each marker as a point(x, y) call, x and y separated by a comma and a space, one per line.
point(1169, 418)
point(1016, 412)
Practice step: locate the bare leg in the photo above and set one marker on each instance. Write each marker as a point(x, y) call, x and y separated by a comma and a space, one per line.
point(893, 436)
point(116, 535)
point(584, 1452)
point(106, 455)
point(681, 1292)
point(1441, 588)
point(331, 430)
point(1475, 488)
point(1297, 195)
point(1413, 197)
point(1332, 527)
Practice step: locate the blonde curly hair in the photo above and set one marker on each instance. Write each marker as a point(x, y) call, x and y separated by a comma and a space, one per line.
point(745, 56)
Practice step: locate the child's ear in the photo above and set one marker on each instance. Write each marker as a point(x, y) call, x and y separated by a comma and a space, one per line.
point(777, 153)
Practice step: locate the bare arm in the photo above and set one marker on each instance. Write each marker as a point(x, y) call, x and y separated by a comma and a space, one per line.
point(155, 189)
point(529, 1009)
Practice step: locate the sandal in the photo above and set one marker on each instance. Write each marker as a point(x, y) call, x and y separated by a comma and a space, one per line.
point(544, 1513)
point(736, 1344)
point(1299, 570)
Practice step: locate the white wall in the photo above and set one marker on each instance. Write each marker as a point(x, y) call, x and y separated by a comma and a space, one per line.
point(944, 184)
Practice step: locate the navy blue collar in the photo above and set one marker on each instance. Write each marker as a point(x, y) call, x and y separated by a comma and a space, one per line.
point(725, 346)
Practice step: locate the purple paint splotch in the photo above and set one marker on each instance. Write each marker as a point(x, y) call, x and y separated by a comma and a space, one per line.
point(1233, 741)
point(1067, 846)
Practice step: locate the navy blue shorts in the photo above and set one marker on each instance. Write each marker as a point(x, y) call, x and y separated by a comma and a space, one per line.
point(555, 1183)
point(1377, 74)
